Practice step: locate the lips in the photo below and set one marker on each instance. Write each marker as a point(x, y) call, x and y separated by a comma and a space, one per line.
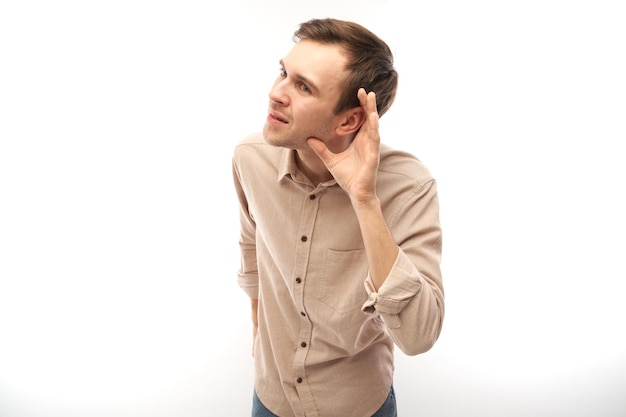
point(277, 117)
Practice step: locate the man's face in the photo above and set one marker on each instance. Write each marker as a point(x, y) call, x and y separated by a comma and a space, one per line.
point(304, 95)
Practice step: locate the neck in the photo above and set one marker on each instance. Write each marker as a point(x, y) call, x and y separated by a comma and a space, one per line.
point(313, 167)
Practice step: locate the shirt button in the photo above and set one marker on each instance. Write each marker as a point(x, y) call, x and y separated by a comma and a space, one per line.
point(298, 280)
point(299, 380)
point(303, 238)
point(303, 344)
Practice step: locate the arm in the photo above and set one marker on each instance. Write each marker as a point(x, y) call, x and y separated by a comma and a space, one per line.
point(411, 300)
point(380, 246)
point(255, 320)
point(247, 274)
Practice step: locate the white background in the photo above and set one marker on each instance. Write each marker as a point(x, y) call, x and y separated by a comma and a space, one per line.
point(118, 222)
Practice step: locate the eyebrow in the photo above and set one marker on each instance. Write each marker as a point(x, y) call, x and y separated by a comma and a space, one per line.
point(302, 78)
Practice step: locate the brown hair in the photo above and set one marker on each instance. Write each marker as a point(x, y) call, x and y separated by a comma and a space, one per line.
point(370, 60)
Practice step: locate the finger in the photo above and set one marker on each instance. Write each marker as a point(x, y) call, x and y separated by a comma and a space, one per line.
point(362, 95)
point(373, 121)
point(371, 103)
point(367, 100)
point(318, 147)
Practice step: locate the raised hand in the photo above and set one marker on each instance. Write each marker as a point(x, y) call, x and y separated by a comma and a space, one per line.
point(355, 169)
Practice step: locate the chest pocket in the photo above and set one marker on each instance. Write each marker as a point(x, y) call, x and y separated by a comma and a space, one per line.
point(341, 284)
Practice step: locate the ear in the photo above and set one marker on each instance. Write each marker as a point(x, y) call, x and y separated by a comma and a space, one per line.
point(351, 121)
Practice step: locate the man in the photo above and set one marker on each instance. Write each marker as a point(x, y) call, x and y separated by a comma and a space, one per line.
point(340, 235)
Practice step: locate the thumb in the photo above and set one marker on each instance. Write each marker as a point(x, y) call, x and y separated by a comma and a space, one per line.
point(318, 147)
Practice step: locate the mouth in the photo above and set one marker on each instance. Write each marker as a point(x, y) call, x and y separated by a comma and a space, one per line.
point(276, 117)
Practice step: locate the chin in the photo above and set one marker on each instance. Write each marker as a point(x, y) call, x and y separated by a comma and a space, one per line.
point(273, 140)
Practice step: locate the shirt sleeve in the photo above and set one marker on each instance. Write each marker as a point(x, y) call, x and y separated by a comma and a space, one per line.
point(247, 275)
point(411, 299)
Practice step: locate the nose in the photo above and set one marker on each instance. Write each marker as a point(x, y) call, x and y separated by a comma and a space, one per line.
point(278, 93)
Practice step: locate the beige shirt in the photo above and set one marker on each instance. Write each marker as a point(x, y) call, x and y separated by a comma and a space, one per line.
point(325, 340)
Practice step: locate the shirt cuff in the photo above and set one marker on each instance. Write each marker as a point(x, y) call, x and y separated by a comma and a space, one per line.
point(401, 285)
point(250, 285)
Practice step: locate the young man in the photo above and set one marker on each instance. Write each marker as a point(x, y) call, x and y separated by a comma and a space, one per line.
point(340, 235)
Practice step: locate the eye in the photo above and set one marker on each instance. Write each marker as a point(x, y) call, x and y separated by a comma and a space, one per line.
point(304, 88)
point(282, 72)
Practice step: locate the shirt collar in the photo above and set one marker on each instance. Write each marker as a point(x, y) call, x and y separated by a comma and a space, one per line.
point(287, 164)
point(289, 168)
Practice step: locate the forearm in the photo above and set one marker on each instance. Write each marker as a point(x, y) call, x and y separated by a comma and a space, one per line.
point(255, 320)
point(380, 246)
point(255, 311)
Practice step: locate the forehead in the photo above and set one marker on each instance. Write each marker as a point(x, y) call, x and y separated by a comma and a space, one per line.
point(322, 64)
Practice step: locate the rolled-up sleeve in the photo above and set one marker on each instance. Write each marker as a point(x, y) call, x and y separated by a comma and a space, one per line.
point(410, 305)
point(247, 276)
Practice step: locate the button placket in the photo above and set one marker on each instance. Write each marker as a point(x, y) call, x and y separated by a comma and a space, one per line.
point(303, 252)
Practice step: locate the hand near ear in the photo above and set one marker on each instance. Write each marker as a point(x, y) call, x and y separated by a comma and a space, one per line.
point(355, 169)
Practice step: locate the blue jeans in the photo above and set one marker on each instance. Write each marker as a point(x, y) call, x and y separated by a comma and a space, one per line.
point(388, 408)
